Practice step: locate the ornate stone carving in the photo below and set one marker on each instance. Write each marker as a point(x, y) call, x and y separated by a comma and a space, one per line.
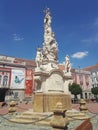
point(47, 57)
point(50, 49)
point(55, 83)
point(51, 82)
point(38, 58)
point(67, 64)
point(47, 19)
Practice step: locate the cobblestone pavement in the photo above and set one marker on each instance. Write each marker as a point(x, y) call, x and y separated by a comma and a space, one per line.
point(21, 107)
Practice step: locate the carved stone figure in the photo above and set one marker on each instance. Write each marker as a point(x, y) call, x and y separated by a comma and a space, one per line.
point(47, 57)
point(67, 64)
point(50, 49)
point(47, 19)
point(38, 58)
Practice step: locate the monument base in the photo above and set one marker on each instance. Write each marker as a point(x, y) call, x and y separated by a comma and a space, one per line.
point(45, 102)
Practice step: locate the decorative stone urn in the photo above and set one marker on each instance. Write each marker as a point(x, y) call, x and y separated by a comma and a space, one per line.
point(59, 120)
point(83, 107)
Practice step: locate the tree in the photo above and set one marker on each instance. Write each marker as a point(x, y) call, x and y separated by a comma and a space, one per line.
point(75, 89)
point(95, 92)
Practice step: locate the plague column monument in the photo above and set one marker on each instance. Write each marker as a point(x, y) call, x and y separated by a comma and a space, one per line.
point(51, 83)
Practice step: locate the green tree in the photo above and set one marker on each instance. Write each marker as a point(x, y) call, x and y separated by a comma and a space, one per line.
point(95, 92)
point(75, 89)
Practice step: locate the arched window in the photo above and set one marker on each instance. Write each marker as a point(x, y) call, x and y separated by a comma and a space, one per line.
point(5, 80)
point(81, 79)
point(86, 95)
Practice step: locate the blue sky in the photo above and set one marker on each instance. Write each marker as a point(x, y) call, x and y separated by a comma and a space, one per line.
point(74, 22)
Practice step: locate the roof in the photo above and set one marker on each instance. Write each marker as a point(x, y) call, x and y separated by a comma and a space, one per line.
point(16, 61)
point(28, 62)
point(62, 67)
point(91, 67)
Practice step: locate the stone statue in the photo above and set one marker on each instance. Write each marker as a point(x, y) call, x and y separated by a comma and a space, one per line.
point(51, 82)
point(67, 64)
point(38, 58)
point(47, 19)
point(50, 48)
point(47, 57)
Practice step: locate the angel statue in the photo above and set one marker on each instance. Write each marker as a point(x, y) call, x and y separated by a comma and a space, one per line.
point(67, 64)
point(38, 58)
point(47, 19)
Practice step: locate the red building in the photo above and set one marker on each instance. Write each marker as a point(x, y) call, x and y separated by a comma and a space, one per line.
point(17, 75)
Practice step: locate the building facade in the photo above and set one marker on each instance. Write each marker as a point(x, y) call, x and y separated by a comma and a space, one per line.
point(94, 74)
point(17, 75)
point(83, 78)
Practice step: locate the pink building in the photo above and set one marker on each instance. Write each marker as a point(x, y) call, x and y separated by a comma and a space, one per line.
point(83, 78)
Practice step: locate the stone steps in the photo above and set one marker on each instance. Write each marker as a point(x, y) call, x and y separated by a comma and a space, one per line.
point(33, 117)
point(21, 121)
point(26, 117)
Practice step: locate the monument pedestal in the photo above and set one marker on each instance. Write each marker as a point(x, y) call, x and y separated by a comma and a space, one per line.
point(45, 102)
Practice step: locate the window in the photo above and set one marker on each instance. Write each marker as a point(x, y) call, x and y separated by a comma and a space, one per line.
point(86, 95)
point(97, 79)
point(81, 79)
point(92, 79)
point(93, 73)
point(87, 79)
point(5, 80)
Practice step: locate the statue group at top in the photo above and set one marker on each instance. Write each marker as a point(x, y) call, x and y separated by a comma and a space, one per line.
point(50, 49)
point(47, 57)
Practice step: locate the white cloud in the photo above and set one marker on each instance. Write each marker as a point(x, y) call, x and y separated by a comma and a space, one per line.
point(17, 37)
point(80, 55)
